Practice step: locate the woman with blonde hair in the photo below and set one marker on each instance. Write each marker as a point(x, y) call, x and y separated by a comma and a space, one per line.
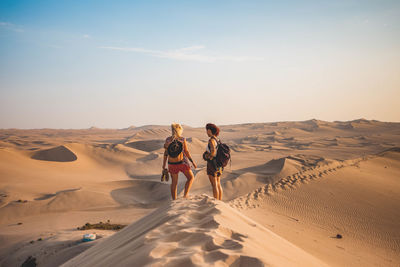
point(178, 156)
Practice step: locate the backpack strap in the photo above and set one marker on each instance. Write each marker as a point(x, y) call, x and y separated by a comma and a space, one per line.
point(216, 139)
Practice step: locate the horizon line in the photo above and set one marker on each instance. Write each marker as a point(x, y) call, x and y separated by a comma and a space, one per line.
point(221, 125)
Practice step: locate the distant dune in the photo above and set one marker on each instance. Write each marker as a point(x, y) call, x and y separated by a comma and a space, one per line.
point(59, 153)
point(147, 145)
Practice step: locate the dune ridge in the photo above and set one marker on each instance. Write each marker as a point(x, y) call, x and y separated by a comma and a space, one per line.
point(308, 173)
point(359, 201)
point(199, 231)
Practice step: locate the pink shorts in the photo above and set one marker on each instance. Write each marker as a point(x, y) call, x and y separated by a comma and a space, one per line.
point(176, 168)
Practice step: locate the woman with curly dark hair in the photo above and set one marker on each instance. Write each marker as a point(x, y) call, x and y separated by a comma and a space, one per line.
point(213, 171)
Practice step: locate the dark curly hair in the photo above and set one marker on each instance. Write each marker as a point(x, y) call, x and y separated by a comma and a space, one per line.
point(214, 129)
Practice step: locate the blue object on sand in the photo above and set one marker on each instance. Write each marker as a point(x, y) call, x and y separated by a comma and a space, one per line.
point(89, 237)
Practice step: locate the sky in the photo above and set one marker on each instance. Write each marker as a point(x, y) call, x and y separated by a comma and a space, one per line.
point(113, 64)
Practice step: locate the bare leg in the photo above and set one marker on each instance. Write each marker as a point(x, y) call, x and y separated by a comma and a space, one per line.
point(213, 181)
point(219, 187)
point(190, 178)
point(174, 185)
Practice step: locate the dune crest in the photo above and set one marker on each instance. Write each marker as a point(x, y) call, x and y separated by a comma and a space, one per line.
point(193, 232)
point(292, 172)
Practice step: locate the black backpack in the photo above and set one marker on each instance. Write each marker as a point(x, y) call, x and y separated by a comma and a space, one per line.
point(223, 154)
point(175, 148)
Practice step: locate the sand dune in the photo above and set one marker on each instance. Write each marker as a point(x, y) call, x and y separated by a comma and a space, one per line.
point(357, 198)
point(240, 182)
point(148, 132)
point(66, 200)
point(147, 145)
point(304, 181)
point(195, 145)
point(200, 231)
point(142, 193)
point(60, 153)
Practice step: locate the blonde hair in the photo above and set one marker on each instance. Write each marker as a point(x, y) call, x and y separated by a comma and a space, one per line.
point(176, 130)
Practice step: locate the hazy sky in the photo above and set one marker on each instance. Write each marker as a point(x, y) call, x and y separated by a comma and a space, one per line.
point(76, 64)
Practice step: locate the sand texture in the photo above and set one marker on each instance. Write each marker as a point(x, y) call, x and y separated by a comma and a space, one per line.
point(309, 193)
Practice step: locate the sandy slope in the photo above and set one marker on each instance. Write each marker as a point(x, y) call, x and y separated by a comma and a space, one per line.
point(304, 181)
point(358, 199)
point(199, 231)
point(60, 239)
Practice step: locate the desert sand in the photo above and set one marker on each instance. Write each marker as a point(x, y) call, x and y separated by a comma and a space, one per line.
point(309, 193)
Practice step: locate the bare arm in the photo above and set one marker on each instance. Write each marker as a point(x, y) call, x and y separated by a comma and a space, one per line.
point(187, 153)
point(165, 158)
point(213, 151)
point(166, 144)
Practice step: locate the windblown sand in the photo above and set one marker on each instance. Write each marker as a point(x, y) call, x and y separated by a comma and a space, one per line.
point(293, 188)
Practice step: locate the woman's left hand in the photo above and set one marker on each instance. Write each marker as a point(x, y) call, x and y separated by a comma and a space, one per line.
point(206, 156)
